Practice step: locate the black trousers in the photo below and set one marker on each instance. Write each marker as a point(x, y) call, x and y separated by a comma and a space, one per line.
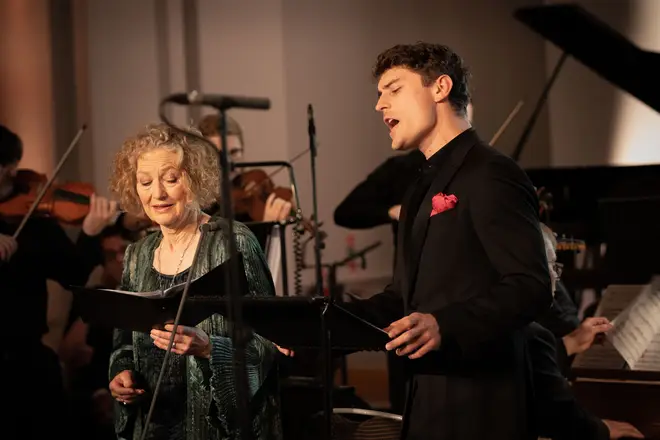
point(396, 382)
point(37, 405)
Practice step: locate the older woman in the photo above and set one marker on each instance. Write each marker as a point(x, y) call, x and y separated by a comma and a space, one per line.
point(170, 176)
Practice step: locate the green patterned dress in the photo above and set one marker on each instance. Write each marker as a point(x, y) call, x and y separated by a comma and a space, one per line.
point(197, 397)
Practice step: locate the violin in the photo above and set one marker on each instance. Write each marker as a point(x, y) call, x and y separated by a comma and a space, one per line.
point(68, 203)
point(251, 191)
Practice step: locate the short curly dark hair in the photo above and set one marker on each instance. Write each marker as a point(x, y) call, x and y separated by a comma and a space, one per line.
point(199, 161)
point(430, 61)
point(11, 147)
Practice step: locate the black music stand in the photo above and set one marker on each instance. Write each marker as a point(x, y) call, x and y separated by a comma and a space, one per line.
point(299, 322)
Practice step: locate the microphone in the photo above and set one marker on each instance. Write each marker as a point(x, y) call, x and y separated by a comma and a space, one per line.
point(221, 102)
point(311, 126)
point(213, 226)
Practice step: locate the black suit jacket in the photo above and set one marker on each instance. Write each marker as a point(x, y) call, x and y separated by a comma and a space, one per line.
point(481, 270)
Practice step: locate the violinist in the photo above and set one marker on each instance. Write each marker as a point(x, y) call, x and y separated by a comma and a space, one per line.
point(275, 208)
point(41, 251)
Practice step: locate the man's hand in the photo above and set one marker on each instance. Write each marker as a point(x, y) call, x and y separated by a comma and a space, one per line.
point(102, 213)
point(394, 212)
point(622, 430)
point(416, 335)
point(8, 247)
point(580, 339)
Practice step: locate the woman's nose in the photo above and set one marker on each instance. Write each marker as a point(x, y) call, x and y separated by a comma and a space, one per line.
point(159, 191)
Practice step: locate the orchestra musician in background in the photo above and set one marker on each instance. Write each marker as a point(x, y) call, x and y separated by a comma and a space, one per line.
point(557, 413)
point(171, 176)
point(276, 209)
point(86, 348)
point(42, 251)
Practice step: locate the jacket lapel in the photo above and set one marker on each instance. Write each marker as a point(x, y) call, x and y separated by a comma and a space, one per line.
point(420, 225)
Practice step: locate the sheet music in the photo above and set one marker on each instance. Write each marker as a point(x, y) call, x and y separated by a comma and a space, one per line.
point(638, 326)
point(650, 360)
point(615, 299)
point(600, 357)
point(153, 294)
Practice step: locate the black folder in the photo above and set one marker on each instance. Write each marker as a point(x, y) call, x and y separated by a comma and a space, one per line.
point(298, 322)
point(292, 322)
point(143, 311)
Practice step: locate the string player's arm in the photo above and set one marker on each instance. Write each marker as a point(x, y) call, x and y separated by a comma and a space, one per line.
point(368, 205)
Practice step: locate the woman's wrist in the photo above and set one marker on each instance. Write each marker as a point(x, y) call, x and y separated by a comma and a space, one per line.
point(206, 352)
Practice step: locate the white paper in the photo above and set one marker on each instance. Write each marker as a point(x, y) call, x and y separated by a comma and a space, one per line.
point(637, 327)
point(153, 294)
point(615, 299)
point(650, 360)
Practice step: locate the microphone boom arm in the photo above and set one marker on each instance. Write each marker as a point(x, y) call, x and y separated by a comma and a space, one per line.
point(238, 333)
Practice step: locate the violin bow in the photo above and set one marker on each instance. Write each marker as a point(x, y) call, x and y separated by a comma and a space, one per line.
point(506, 123)
point(43, 190)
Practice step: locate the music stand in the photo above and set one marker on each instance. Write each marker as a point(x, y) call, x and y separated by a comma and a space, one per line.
point(292, 322)
point(300, 322)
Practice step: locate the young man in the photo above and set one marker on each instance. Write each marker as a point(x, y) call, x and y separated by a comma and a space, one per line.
point(374, 202)
point(471, 269)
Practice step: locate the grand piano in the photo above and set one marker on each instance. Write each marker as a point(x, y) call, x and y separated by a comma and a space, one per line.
point(615, 205)
point(600, 204)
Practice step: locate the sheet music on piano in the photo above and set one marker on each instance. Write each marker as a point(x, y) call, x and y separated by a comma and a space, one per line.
point(634, 342)
point(636, 332)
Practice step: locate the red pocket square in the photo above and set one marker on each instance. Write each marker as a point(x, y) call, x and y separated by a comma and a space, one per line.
point(443, 202)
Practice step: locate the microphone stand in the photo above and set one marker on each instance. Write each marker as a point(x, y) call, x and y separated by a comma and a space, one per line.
point(238, 336)
point(234, 300)
point(326, 336)
point(311, 130)
point(175, 326)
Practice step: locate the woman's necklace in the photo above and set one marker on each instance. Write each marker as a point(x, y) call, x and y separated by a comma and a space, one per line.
point(176, 272)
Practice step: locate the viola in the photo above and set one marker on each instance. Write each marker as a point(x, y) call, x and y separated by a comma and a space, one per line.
point(251, 191)
point(68, 202)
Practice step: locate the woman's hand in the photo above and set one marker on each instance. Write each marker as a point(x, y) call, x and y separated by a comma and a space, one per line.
point(285, 351)
point(188, 340)
point(122, 388)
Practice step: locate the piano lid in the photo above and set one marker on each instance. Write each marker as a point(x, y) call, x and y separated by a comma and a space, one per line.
point(599, 47)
